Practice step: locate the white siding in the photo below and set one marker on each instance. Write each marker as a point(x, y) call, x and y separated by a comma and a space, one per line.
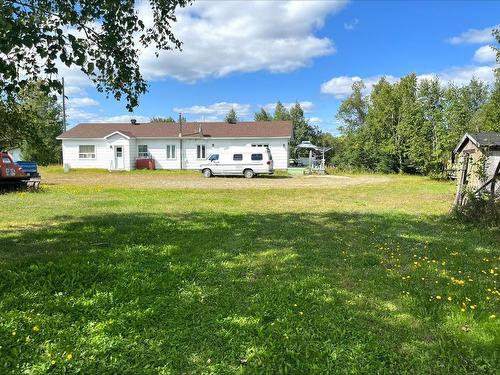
point(157, 149)
point(104, 152)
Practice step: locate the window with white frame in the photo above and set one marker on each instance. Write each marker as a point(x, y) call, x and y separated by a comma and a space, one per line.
point(200, 152)
point(86, 151)
point(170, 151)
point(142, 151)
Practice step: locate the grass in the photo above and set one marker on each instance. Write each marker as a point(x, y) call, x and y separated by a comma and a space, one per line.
point(360, 280)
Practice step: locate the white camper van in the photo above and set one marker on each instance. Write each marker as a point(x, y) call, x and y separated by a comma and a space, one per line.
point(247, 161)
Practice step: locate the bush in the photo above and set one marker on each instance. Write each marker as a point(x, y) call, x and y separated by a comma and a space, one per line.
point(478, 209)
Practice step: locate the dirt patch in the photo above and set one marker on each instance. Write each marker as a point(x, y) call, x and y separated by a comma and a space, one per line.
point(194, 181)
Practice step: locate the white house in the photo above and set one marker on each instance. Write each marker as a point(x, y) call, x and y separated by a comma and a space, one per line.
point(172, 146)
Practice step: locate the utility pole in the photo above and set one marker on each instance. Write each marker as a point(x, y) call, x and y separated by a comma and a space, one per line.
point(63, 105)
point(180, 138)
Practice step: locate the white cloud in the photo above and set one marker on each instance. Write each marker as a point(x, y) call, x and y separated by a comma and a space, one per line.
point(485, 54)
point(82, 102)
point(474, 36)
point(341, 86)
point(352, 25)
point(215, 111)
point(315, 120)
point(224, 37)
point(306, 106)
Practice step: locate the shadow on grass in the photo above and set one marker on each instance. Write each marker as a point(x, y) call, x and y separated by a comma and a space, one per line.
point(223, 293)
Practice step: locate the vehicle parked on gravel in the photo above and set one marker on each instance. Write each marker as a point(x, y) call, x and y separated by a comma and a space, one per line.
point(245, 161)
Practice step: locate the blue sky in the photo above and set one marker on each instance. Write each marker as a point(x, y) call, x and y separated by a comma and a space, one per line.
point(248, 54)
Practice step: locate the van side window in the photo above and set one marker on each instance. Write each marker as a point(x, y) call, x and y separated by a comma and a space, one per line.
point(257, 157)
point(238, 157)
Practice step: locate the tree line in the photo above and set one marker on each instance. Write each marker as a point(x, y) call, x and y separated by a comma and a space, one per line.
point(414, 124)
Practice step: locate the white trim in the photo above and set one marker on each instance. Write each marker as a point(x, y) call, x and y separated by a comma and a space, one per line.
point(117, 132)
point(466, 136)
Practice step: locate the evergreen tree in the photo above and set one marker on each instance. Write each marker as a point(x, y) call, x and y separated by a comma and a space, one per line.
point(263, 115)
point(302, 130)
point(231, 117)
point(281, 113)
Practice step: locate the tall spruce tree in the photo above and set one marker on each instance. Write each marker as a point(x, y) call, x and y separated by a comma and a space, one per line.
point(263, 115)
point(231, 117)
point(281, 113)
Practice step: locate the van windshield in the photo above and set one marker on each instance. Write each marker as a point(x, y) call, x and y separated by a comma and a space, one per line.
point(214, 157)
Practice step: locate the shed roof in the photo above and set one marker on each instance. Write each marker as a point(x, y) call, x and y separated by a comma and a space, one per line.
point(273, 129)
point(490, 139)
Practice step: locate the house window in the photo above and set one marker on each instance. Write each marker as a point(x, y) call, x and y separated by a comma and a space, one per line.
point(86, 151)
point(257, 157)
point(142, 151)
point(200, 152)
point(170, 151)
point(238, 157)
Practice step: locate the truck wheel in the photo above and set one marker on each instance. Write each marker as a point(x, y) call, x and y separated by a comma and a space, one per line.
point(207, 173)
point(248, 173)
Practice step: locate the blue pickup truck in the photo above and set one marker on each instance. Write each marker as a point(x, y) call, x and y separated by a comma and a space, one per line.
point(30, 168)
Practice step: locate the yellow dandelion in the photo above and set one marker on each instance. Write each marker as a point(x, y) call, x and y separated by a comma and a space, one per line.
point(473, 307)
point(449, 298)
point(462, 310)
point(301, 313)
point(52, 362)
point(295, 305)
point(438, 297)
point(36, 328)
point(493, 316)
point(14, 333)
point(69, 356)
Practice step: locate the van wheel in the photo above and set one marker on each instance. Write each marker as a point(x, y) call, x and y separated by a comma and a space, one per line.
point(207, 173)
point(248, 173)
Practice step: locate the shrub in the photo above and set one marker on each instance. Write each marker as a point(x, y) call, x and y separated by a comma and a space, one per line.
point(478, 209)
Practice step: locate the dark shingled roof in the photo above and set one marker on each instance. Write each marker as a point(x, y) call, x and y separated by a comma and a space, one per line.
point(278, 129)
point(480, 140)
point(486, 139)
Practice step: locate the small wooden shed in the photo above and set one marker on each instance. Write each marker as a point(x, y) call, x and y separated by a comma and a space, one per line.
point(477, 160)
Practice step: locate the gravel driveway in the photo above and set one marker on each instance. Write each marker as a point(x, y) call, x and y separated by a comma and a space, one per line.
point(194, 181)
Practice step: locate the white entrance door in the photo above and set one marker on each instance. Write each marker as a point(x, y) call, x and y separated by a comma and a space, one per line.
point(119, 162)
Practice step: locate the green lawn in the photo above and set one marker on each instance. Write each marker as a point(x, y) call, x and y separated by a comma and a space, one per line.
point(361, 279)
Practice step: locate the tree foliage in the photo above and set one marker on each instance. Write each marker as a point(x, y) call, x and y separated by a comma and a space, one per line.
point(41, 118)
point(231, 117)
point(168, 119)
point(102, 38)
point(263, 115)
point(412, 125)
